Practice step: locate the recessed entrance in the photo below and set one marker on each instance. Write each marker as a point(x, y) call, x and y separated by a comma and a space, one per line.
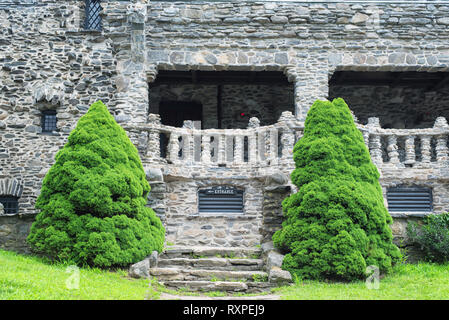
point(228, 99)
point(401, 100)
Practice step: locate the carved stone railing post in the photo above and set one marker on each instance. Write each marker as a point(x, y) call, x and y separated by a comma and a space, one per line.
point(288, 141)
point(205, 152)
point(286, 120)
point(252, 148)
point(173, 148)
point(188, 142)
point(441, 148)
point(375, 144)
point(221, 149)
point(392, 149)
point(425, 150)
point(187, 148)
point(153, 150)
point(253, 124)
point(410, 154)
point(238, 149)
point(441, 145)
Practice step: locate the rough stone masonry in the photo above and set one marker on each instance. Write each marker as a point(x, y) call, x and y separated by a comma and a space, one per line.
point(49, 62)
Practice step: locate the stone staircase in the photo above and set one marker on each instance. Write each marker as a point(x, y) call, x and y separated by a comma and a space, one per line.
point(230, 269)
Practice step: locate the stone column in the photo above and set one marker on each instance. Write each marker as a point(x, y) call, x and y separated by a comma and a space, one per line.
point(132, 82)
point(311, 83)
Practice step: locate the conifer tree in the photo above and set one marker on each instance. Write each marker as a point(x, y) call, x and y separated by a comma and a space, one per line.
point(93, 199)
point(336, 224)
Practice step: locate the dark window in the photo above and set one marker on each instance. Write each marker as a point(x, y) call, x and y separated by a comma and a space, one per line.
point(409, 199)
point(93, 18)
point(10, 204)
point(220, 199)
point(48, 121)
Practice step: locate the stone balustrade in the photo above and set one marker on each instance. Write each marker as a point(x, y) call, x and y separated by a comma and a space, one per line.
point(401, 148)
point(264, 146)
point(254, 146)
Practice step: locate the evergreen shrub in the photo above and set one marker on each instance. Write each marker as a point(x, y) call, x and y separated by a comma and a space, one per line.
point(93, 199)
point(336, 224)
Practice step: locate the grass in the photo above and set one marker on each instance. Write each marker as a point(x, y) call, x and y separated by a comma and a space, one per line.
point(423, 281)
point(28, 277)
point(31, 278)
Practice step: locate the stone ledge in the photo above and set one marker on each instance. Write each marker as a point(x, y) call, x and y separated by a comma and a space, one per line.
point(410, 214)
point(18, 215)
point(238, 216)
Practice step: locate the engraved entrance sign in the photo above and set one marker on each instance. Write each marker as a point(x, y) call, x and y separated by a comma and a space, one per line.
point(220, 199)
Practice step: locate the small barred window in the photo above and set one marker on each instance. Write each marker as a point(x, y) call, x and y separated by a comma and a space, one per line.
point(49, 121)
point(93, 18)
point(10, 204)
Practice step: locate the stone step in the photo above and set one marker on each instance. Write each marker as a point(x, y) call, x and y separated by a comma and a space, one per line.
point(184, 274)
point(228, 286)
point(240, 264)
point(202, 251)
point(206, 285)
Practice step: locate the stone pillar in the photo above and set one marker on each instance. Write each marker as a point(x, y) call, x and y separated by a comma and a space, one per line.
point(132, 82)
point(311, 83)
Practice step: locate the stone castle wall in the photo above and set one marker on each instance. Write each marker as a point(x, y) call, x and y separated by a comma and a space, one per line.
point(47, 61)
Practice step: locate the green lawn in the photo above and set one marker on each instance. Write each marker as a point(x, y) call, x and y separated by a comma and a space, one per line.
point(411, 281)
point(27, 277)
